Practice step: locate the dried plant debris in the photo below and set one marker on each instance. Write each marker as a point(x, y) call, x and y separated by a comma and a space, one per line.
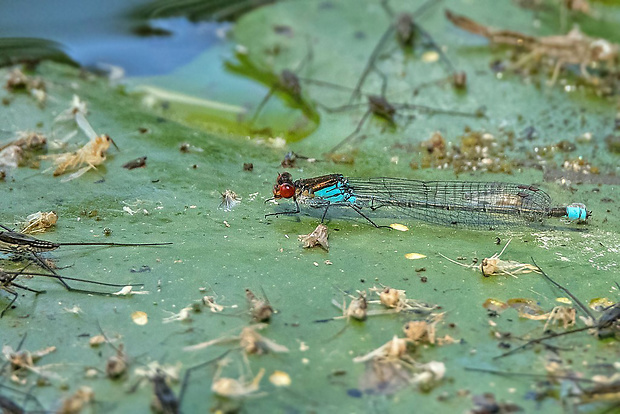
point(39, 222)
point(250, 341)
point(318, 237)
point(229, 200)
point(574, 48)
point(493, 266)
point(475, 151)
point(486, 404)
point(22, 361)
point(76, 402)
point(18, 81)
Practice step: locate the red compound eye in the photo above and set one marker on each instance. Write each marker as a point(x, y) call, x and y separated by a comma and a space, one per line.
point(287, 190)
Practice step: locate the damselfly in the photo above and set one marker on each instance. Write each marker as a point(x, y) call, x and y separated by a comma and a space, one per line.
point(478, 205)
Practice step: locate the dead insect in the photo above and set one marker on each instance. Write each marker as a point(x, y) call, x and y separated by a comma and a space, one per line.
point(574, 48)
point(397, 300)
point(493, 265)
point(235, 388)
point(260, 308)
point(137, 163)
point(86, 158)
point(230, 200)
point(39, 222)
point(249, 340)
point(75, 403)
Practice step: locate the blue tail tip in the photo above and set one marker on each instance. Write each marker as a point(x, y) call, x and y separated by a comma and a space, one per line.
point(577, 212)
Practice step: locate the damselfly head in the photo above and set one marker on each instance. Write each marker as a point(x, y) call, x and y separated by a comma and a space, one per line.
point(284, 187)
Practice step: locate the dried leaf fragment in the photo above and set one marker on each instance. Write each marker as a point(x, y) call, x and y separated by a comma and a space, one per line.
point(76, 402)
point(140, 318)
point(399, 227)
point(96, 340)
point(318, 237)
point(414, 256)
point(280, 379)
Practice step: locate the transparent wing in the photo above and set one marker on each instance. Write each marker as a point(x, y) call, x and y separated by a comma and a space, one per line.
point(460, 203)
point(85, 126)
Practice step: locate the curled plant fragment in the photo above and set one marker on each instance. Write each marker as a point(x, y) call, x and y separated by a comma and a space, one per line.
point(318, 237)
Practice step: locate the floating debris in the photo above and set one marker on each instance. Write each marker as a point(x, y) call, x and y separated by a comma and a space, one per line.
point(318, 237)
point(249, 340)
point(280, 379)
point(399, 227)
point(235, 388)
point(39, 222)
point(137, 163)
point(414, 256)
point(92, 154)
point(260, 309)
point(76, 402)
point(229, 200)
point(139, 318)
point(574, 48)
point(492, 266)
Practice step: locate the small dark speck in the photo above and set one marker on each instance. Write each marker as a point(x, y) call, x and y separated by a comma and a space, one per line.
point(354, 392)
point(84, 335)
point(421, 269)
point(142, 269)
point(423, 279)
point(154, 181)
point(504, 345)
point(607, 200)
point(359, 35)
point(498, 240)
point(100, 181)
point(363, 280)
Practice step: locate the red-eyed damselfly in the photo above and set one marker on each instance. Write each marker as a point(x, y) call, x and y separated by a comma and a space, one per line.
point(470, 204)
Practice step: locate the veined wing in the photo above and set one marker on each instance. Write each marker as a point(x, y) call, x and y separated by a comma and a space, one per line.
point(464, 203)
